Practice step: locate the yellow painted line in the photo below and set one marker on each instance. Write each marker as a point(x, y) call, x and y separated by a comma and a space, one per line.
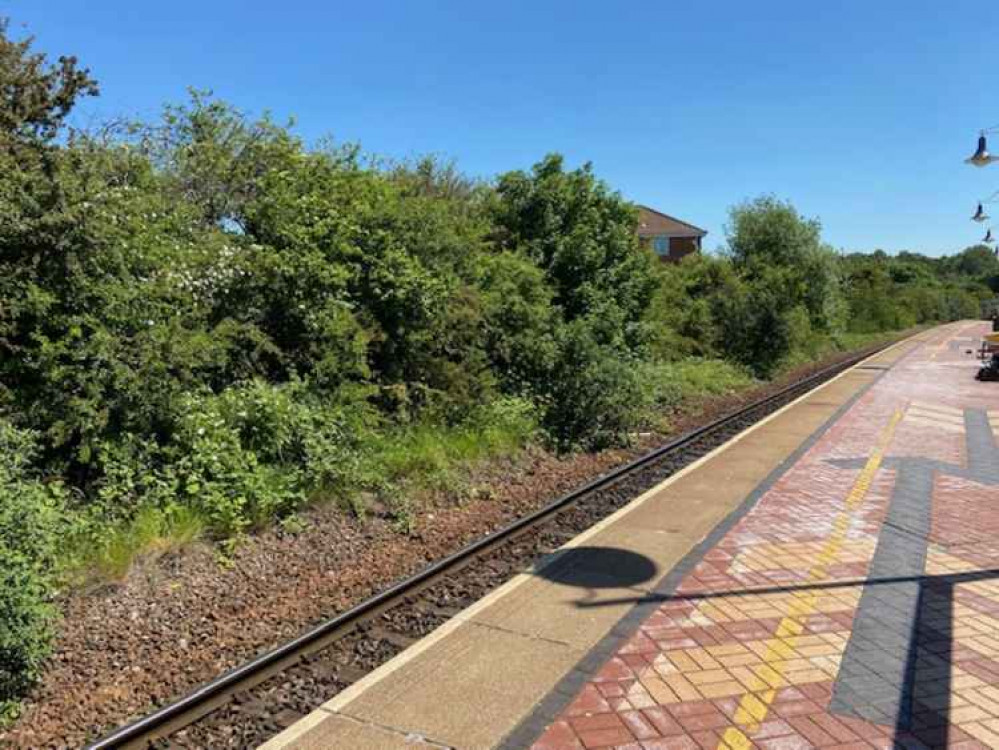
point(754, 707)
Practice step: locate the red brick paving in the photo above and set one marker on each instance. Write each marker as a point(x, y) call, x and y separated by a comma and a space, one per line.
point(723, 667)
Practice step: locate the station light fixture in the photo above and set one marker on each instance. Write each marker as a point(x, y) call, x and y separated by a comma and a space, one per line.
point(982, 157)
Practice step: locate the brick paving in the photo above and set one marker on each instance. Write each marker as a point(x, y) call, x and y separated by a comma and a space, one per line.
point(856, 605)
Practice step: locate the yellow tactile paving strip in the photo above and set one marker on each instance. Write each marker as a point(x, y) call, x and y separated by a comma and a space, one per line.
point(777, 664)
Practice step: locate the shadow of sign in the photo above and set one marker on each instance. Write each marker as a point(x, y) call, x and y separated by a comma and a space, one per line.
point(598, 568)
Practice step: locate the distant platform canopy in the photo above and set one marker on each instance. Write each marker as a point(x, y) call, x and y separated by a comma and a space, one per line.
point(668, 237)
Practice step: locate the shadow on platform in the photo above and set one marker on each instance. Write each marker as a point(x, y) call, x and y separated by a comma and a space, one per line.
point(598, 568)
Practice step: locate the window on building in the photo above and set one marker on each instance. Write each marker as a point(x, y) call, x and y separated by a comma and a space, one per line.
point(661, 245)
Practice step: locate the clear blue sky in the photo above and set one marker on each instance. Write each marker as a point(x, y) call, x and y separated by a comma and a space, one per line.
point(859, 111)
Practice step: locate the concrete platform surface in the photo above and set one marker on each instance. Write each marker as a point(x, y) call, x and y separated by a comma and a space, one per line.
point(826, 578)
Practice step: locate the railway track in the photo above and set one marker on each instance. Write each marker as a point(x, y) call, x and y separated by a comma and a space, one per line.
point(247, 705)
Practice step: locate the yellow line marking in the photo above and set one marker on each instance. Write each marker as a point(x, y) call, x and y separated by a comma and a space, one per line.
point(754, 707)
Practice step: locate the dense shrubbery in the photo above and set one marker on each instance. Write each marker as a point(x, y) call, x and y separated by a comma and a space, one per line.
point(778, 295)
point(32, 525)
point(204, 324)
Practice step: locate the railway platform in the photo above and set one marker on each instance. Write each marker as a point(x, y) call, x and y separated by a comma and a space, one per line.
point(827, 578)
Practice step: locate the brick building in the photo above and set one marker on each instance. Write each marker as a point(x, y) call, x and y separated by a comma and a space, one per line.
point(669, 238)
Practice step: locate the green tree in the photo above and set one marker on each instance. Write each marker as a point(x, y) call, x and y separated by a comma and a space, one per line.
point(793, 283)
point(37, 97)
point(977, 262)
point(582, 234)
point(212, 156)
point(769, 232)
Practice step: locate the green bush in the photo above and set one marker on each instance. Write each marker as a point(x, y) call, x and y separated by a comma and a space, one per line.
point(519, 321)
point(254, 452)
point(504, 423)
point(594, 395)
point(26, 629)
point(32, 529)
point(582, 235)
point(227, 481)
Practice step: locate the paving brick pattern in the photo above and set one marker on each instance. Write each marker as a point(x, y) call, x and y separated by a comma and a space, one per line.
point(856, 606)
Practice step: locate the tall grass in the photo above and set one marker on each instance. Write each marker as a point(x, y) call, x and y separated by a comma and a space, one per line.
point(404, 461)
point(107, 553)
point(668, 387)
point(820, 346)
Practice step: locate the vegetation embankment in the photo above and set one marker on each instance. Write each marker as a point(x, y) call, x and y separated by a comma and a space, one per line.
point(206, 324)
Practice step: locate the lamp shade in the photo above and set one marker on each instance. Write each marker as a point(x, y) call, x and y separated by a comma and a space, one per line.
point(979, 214)
point(981, 157)
point(988, 236)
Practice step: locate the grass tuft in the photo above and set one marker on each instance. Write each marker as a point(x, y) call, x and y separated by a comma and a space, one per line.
point(431, 457)
point(153, 532)
point(669, 386)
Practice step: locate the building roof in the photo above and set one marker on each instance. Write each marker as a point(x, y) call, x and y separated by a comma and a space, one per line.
point(652, 222)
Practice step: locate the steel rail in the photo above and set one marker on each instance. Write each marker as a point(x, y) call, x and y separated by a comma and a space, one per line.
point(252, 672)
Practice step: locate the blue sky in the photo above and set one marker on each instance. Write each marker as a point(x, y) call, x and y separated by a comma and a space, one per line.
point(860, 112)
